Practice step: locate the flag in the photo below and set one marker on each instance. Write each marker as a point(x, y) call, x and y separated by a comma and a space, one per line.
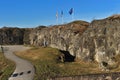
point(57, 15)
point(61, 13)
point(71, 11)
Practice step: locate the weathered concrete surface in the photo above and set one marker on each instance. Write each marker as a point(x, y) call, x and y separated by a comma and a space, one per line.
point(14, 36)
point(96, 41)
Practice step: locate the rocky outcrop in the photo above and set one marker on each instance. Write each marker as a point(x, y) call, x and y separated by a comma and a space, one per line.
point(101, 41)
point(12, 36)
point(96, 41)
point(61, 36)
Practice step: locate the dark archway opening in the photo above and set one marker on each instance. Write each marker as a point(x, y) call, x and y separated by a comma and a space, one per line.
point(67, 56)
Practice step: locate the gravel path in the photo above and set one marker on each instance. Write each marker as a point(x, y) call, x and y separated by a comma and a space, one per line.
point(24, 69)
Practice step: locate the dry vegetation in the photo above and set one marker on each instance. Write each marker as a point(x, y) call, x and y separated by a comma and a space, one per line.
point(77, 26)
point(6, 67)
point(47, 64)
point(114, 16)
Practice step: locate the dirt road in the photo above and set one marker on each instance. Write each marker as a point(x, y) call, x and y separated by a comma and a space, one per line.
point(24, 69)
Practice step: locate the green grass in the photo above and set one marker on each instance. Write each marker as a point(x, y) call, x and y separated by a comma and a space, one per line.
point(6, 67)
point(47, 64)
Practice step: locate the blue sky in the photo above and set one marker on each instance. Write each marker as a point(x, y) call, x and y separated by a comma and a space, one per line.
point(31, 13)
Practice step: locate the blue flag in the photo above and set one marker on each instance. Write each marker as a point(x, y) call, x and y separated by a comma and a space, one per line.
point(61, 13)
point(71, 11)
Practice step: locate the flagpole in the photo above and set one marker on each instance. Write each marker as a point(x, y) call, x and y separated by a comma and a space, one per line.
point(73, 15)
point(57, 17)
point(62, 20)
point(61, 17)
point(57, 21)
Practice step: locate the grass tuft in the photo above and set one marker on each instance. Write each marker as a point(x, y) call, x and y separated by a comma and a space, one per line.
point(6, 67)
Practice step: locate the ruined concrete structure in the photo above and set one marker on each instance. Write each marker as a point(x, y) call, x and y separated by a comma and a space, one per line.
point(96, 41)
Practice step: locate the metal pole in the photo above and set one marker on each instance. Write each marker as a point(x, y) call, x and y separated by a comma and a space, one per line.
point(62, 19)
point(57, 21)
point(1, 44)
point(57, 17)
point(73, 16)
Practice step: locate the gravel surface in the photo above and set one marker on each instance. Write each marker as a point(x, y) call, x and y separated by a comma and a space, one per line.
point(24, 69)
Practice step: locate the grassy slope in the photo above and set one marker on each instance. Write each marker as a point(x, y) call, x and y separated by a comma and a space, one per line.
point(6, 67)
point(47, 64)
